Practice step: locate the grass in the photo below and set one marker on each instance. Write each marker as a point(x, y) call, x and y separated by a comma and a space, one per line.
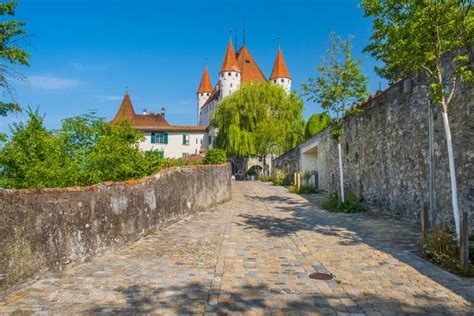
point(303, 190)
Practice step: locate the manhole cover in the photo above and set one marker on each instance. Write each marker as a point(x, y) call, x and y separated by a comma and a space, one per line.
point(321, 276)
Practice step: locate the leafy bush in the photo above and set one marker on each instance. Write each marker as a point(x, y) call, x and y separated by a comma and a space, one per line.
point(215, 156)
point(279, 177)
point(315, 124)
point(303, 190)
point(265, 178)
point(253, 170)
point(352, 204)
point(441, 247)
point(85, 150)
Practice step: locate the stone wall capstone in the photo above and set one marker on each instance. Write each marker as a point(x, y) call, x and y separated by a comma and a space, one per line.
point(385, 153)
point(44, 230)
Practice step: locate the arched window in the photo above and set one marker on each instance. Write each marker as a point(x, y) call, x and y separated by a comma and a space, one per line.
point(274, 81)
point(229, 74)
point(282, 80)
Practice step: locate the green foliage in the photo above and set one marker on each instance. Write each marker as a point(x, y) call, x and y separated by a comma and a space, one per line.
point(279, 177)
point(11, 35)
point(258, 119)
point(411, 37)
point(315, 124)
point(303, 190)
point(215, 156)
point(265, 178)
point(34, 157)
point(352, 204)
point(441, 247)
point(339, 85)
point(253, 170)
point(85, 150)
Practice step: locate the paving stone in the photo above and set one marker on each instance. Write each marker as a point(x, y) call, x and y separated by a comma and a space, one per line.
point(253, 256)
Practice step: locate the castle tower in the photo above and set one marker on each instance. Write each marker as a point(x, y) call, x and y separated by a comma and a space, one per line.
point(229, 75)
point(280, 74)
point(204, 90)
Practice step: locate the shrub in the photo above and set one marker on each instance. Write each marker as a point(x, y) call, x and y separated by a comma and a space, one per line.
point(253, 170)
point(265, 178)
point(303, 190)
point(352, 204)
point(315, 124)
point(279, 177)
point(441, 247)
point(215, 156)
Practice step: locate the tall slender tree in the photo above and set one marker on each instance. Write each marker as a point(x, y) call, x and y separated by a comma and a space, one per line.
point(339, 85)
point(429, 37)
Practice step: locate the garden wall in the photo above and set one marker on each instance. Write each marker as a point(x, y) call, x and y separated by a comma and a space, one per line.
point(47, 229)
point(385, 153)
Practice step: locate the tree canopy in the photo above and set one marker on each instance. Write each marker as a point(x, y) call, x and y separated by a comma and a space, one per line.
point(11, 36)
point(315, 124)
point(258, 119)
point(339, 84)
point(85, 150)
point(411, 37)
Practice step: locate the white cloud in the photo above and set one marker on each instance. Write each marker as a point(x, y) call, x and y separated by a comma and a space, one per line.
point(51, 82)
point(110, 97)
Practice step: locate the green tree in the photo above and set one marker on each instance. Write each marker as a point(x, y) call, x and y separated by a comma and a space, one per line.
point(215, 156)
point(258, 119)
point(12, 33)
point(340, 85)
point(34, 157)
point(315, 124)
point(429, 37)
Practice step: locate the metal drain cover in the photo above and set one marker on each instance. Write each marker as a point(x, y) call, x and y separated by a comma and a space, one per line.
point(321, 276)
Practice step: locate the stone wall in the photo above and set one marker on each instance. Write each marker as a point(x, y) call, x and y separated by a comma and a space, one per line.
point(385, 154)
point(46, 229)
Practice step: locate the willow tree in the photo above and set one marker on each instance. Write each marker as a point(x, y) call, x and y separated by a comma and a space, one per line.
point(339, 85)
point(258, 119)
point(430, 37)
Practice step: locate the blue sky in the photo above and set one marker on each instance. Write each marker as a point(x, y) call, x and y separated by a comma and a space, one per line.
point(85, 53)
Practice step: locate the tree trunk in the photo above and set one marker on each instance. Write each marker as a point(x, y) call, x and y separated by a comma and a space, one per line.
point(452, 172)
point(341, 176)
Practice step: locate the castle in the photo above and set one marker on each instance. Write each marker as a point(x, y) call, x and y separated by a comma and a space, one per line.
point(238, 68)
point(176, 141)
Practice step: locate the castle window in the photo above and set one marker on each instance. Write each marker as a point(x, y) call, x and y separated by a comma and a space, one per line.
point(229, 74)
point(282, 80)
point(231, 85)
point(274, 81)
point(208, 94)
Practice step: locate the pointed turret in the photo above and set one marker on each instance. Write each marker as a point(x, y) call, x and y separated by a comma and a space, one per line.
point(125, 111)
point(229, 73)
point(204, 91)
point(280, 74)
point(230, 62)
point(205, 86)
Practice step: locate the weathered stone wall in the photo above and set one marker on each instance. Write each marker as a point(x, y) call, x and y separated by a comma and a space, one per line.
point(385, 153)
point(46, 229)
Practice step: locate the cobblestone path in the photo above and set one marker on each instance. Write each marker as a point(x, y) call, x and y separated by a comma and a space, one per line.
point(253, 255)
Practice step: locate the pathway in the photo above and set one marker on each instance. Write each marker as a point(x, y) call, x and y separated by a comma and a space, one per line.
point(253, 255)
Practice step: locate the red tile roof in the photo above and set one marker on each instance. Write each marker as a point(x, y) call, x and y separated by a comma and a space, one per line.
point(230, 63)
point(279, 67)
point(172, 128)
point(249, 69)
point(205, 85)
point(127, 113)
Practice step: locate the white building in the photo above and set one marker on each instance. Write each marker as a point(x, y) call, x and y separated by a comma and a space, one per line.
point(170, 141)
point(237, 68)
